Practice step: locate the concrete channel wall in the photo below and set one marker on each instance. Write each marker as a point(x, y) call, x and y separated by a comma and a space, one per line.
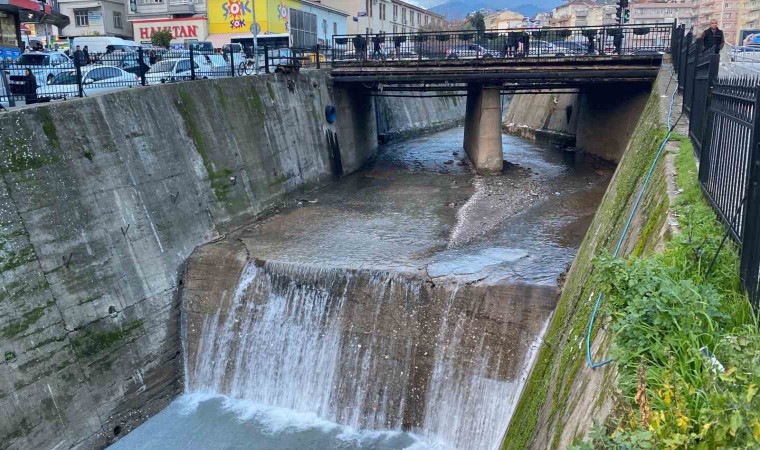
point(101, 202)
point(563, 396)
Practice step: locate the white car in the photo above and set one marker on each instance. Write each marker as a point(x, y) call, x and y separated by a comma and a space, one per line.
point(170, 70)
point(95, 80)
point(44, 65)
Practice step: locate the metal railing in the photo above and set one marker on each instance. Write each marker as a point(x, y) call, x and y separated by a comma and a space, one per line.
point(502, 43)
point(724, 126)
point(41, 77)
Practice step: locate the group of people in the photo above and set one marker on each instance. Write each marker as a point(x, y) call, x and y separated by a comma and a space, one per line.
point(360, 47)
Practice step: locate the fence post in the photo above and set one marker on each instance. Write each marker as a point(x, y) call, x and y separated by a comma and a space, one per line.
point(232, 61)
point(6, 86)
point(707, 121)
point(192, 62)
point(266, 59)
point(141, 64)
point(750, 252)
point(318, 65)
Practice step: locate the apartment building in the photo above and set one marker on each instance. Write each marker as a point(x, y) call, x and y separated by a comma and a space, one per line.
point(103, 17)
point(572, 14)
point(600, 15)
point(506, 19)
point(385, 16)
point(649, 12)
point(749, 16)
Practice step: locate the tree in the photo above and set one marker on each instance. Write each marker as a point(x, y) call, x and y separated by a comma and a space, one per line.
point(161, 38)
point(477, 21)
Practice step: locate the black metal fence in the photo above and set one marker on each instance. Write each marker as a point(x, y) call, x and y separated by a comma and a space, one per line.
point(44, 76)
point(503, 43)
point(724, 126)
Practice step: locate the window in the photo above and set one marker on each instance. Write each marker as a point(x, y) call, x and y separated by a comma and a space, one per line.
point(324, 26)
point(152, 2)
point(8, 30)
point(426, 19)
point(411, 17)
point(303, 28)
point(403, 15)
point(80, 18)
point(395, 28)
point(117, 20)
point(395, 13)
point(419, 21)
point(335, 27)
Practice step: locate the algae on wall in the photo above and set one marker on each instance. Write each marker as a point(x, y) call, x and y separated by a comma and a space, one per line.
point(563, 395)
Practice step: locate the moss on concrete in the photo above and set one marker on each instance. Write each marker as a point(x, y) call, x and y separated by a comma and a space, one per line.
point(27, 320)
point(89, 343)
point(544, 401)
point(48, 127)
point(218, 179)
point(10, 259)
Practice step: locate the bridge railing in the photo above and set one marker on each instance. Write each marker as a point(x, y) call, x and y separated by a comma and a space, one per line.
point(502, 43)
point(724, 126)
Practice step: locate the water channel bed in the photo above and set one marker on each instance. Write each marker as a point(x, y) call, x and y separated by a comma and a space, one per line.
point(409, 296)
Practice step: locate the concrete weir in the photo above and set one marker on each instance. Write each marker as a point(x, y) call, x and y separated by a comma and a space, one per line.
point(368, 349)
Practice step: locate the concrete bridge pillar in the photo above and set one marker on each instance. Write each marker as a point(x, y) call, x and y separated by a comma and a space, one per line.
point(482, 128)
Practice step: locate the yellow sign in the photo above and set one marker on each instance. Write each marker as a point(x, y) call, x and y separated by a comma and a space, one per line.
point(236, 16)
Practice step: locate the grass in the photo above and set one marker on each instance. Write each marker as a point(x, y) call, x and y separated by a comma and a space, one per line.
point(686, 343)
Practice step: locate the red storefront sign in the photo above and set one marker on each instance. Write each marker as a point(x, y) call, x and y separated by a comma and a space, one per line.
point(194, 28)
point(178, 31)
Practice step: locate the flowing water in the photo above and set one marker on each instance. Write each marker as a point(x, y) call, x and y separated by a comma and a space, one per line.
point(400, 308)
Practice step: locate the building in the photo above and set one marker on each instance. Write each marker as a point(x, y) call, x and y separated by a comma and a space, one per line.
point(219, 21)
point(726, 12)
point(601, 15)
point(15, 13)
point(88, 18)
point(749, 16)
point(506, 19)
point(385, 16)
point(572, 14)
point(650, 12)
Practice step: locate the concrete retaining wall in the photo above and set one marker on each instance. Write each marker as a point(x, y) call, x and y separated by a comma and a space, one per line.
point(563, 396)
point(101, 202)
point(402, 117)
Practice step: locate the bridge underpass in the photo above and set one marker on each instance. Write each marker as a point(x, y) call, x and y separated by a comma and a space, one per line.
point(608, 84)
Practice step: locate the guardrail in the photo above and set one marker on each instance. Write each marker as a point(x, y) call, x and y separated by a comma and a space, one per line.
point(502, 43)
point(724, 126)
point(41, 77)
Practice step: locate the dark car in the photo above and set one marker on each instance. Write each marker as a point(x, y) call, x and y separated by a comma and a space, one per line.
point(127, 61)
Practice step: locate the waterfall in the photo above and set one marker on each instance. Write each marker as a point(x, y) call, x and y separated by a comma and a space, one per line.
point(371, 350)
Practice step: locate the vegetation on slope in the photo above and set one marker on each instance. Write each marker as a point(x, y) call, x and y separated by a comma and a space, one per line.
point(686, 344)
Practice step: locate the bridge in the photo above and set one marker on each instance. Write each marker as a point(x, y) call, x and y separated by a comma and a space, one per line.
point(595, 61)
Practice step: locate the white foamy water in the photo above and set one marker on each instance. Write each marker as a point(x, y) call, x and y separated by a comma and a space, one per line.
point(293, 342)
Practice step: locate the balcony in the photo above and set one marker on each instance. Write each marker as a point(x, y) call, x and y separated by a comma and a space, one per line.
point(581, 12)
point(181, 6)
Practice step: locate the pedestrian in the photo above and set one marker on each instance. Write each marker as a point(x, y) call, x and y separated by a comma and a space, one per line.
point(712, 38)
point(86, 52)
point(30, 87)
point(357, 40)
point(397, 46)
point(377, 42)
point(524, 42)
point(152, 57)
point(590, 46)
point(617, 41)
point(79, 59)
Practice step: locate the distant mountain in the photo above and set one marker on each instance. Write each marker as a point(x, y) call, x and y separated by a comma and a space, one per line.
point(458, 9)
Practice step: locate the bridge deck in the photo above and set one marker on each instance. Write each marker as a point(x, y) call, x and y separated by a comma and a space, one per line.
point(547, 72)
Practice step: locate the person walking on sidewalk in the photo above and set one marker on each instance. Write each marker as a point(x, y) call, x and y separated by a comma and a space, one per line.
point(712, 38)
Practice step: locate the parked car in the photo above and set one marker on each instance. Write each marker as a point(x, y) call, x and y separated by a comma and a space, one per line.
point(537, 47)
point(170, 70)
point(127, 61)
point(214, 66)
point(468, 51)
point(569, 48)
point(44, 65)
point(96, 79)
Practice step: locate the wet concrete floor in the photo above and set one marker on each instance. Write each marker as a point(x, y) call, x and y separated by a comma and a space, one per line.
point(420, 209)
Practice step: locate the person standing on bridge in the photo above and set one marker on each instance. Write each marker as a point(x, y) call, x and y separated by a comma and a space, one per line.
point(712, 38)
point(377, 47)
